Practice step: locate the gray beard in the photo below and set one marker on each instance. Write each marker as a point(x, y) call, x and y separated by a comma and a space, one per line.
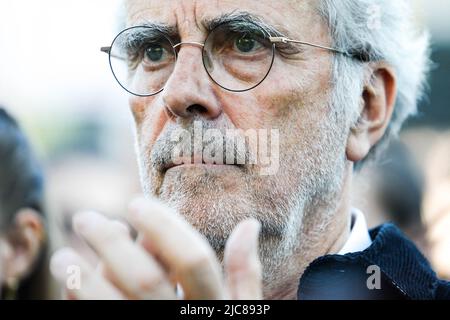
point(286, 204)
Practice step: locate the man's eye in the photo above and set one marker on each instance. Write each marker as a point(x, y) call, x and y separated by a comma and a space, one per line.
point(154, 53)
point(246, 44)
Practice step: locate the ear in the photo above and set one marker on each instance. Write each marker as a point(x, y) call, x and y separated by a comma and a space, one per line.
point(23, 245)
point(378, 101)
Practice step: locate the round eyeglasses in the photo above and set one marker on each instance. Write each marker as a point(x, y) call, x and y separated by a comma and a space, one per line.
point(142, 59)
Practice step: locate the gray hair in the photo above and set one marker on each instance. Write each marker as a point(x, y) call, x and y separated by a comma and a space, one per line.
point(381, 30)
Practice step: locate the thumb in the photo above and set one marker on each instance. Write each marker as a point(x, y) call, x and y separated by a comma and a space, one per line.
point(243, 269)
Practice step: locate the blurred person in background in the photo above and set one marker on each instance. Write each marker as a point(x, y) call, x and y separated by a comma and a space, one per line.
point(411, 187)
point(436, 206)
point(23, 237)
point(340, 86)
point(392, 189)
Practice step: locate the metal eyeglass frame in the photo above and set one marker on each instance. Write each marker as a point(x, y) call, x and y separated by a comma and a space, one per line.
point(272, 40)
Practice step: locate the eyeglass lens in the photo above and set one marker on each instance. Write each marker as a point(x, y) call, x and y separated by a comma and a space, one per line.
point(237, 59)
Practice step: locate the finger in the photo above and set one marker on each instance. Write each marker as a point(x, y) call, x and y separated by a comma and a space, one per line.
point(103, 270)
point(129, 266)
point(243, 269)
point(79, 279)
point(108, 275)
point(186, 253)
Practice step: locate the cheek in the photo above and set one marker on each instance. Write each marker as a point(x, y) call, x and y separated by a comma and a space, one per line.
point(149, 118)
point(263, 107)
point(297, 103)
point(275, 107)
point(137, 106)
point(300, 93)
point(243, 111)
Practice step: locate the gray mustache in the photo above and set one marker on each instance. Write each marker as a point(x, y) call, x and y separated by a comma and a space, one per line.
point(166, 146)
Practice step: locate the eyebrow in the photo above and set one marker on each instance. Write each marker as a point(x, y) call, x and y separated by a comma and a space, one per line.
point(243, 19)
point(235, 20)
point(169, 31)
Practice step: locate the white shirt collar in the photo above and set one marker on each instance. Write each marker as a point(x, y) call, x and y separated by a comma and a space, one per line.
point(359, 238)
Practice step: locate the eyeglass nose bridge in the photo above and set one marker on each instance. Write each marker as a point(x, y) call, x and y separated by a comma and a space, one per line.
point(193, 43)
point(207, 62)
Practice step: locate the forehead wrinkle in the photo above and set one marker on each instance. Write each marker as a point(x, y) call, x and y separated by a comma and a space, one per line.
point(205, 23)
point(239, 18)
point(188, 27)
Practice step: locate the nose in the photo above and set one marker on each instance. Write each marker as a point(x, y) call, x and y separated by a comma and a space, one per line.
point(188, 91)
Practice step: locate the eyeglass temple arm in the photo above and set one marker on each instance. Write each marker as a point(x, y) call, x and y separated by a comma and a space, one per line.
point(107, 50)
point(286, 40)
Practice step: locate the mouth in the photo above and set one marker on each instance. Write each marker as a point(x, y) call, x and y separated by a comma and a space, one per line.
point(198, 163)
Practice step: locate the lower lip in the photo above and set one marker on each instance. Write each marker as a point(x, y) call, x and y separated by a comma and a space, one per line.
point(202, 166)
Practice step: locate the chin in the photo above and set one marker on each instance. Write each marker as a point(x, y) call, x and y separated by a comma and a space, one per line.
point(213, 199)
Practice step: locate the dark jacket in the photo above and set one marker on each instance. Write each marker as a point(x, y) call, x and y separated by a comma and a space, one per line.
point(391, 268)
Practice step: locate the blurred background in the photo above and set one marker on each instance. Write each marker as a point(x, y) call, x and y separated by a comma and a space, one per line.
point(57, 83)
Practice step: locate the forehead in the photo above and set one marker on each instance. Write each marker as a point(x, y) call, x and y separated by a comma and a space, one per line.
point(188, 15)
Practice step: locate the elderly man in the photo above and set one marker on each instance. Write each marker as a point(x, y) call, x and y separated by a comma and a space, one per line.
point(329, 82)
